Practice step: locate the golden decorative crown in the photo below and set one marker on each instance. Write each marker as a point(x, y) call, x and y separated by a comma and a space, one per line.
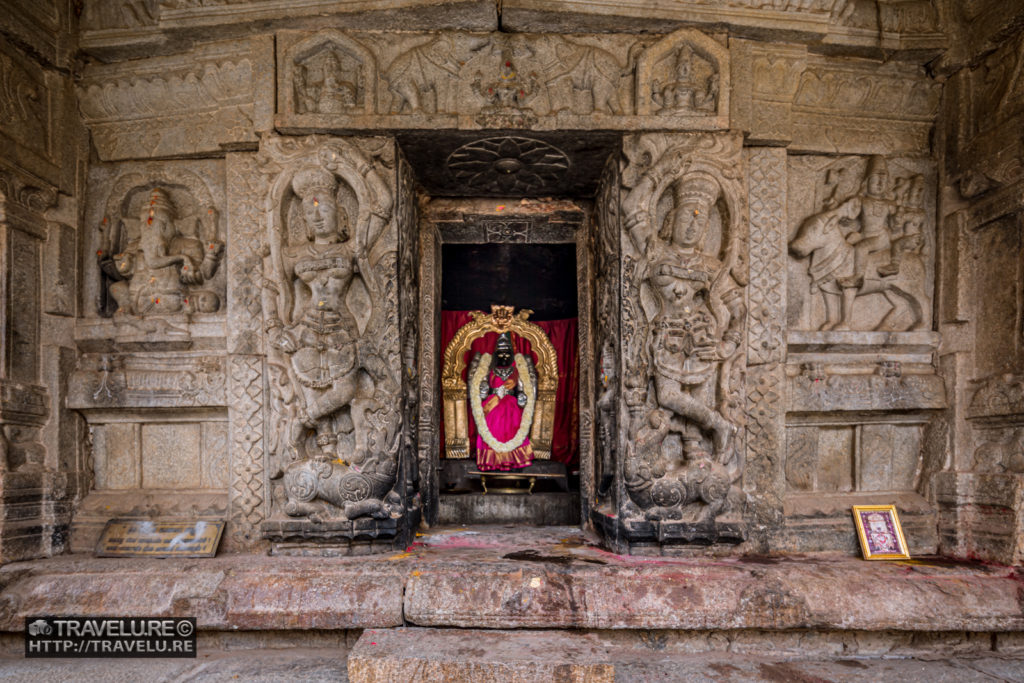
point(502, 315)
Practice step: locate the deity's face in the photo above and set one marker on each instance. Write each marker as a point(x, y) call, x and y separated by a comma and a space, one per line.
point(503, 358)
point(321, 214)
point(878, 184)
point(916, 197)
point(683, 60)
point(158, 222)
point(690, 222)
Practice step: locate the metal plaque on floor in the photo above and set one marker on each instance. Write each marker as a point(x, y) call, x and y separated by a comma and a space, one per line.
point(153, 538)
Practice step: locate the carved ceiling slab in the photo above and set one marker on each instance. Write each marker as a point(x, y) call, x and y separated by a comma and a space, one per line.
point(452, 164)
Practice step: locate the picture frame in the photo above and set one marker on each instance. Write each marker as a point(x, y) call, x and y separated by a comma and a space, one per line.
point(880, 533)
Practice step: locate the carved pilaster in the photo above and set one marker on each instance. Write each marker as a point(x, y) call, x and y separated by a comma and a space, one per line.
point(28, 484)
point(247, 442)
point(766, 348)
point(766, 295)
point(333, 344)
point(684, 254)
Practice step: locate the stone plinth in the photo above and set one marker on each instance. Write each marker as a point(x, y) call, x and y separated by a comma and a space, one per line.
point(499, 577)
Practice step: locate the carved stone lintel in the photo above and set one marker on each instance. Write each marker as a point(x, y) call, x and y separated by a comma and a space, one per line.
point(215, 96)
point(783, 94)
point(865, 392)
point(139, 382)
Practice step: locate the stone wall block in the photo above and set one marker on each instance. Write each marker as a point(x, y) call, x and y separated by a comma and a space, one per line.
point(212, 98)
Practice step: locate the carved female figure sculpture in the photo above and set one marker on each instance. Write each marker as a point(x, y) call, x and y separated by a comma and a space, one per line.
point(503, 395)
point(333, 390)
point(701, 310)
point(695, 318)
point(320, 339)
point(152, 271)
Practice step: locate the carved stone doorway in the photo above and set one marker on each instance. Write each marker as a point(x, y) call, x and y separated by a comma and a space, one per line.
point(501, 227)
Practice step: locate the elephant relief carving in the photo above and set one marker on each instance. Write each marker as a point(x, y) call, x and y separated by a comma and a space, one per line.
point(584, 80)
point(333, 391)
point(424, 79)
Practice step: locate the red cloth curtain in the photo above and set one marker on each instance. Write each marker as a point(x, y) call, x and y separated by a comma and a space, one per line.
point(562, 333)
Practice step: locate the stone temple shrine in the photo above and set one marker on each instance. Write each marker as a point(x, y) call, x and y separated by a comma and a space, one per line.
point(519, 339)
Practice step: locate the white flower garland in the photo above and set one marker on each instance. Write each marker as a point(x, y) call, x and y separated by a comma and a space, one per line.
point(476, 403)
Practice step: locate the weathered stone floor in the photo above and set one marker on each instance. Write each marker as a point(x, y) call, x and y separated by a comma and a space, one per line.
point(320, 665)
point(408, 615)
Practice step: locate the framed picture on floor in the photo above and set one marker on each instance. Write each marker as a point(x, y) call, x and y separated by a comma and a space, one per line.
point(879, 531)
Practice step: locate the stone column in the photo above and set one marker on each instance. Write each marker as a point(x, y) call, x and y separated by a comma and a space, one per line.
point(27, 481)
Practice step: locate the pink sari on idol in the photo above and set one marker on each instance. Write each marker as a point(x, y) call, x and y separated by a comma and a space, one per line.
point(503, 416)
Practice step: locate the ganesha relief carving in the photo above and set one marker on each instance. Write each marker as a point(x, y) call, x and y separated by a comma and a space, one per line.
point(160, 247)
point(684, 218)
point(334, 390)
point(866, 248)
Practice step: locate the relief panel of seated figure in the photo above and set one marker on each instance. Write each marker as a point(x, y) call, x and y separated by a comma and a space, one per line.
point(158, 263)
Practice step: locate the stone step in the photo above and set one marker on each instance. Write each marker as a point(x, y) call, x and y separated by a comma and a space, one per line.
point(524, 656)
point(525, 577)
point(538, 509)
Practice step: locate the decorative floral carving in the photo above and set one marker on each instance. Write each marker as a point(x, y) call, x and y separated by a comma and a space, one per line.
point(999, 395)
point(509, 164)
